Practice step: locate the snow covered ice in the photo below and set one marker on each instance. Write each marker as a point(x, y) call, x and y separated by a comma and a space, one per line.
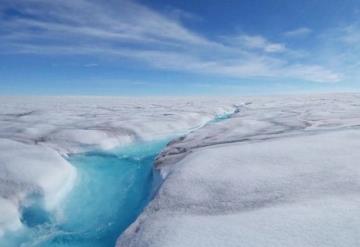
point(280, 171)
point(37, 134)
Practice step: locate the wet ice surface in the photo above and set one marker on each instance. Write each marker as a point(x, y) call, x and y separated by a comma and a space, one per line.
point(283, 171)
point(48, 198)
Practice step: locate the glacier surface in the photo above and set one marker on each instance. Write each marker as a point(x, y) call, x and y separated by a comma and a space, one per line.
point(282, 171)
point(37, 134)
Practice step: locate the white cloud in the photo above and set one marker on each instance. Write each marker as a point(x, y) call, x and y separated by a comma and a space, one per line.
point(350, 34)
point(257, 42)
point(313, 73)
point(299, 32)
point(274, 48)
point(129, 30)
point(86, 19)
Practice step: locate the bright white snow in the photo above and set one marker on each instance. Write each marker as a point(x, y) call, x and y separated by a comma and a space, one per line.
point(281, 172)
point(30, 171)
point(37, 133)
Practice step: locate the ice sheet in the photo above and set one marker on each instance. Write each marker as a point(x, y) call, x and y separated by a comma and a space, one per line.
point(282, 172)
point(38, 133)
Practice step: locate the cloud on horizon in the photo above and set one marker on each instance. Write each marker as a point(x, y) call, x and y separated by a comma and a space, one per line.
point(128, 30)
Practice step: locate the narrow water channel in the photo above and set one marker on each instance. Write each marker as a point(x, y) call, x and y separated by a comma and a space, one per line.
point(112, 188)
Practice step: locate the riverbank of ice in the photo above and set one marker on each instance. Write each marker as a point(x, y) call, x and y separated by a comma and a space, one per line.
point(38, 133)
point(282, 171)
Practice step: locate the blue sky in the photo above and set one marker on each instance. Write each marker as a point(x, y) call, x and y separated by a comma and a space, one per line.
point(168, 47)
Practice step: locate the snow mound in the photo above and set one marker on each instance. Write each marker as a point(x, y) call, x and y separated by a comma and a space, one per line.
point(30, 171)
point(9, 216)
point(281, 171)
point(298, 191)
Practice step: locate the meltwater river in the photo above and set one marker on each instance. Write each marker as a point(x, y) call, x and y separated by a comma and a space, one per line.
point(111, 190)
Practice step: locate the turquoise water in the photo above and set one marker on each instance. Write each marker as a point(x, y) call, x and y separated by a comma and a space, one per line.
point(112, 188)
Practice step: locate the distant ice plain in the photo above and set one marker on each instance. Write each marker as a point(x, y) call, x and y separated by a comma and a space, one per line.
point(282, 171)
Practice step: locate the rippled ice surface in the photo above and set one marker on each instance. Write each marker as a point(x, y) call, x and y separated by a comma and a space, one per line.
point(111, 190)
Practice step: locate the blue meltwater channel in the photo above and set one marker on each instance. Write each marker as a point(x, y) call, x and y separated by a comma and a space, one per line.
point(112, 189)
